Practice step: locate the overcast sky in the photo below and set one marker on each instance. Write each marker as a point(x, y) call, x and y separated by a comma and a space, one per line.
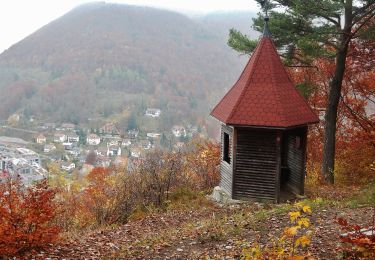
point(19, 18)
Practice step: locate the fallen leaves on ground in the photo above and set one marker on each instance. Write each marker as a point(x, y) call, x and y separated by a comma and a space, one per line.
point(212, 231)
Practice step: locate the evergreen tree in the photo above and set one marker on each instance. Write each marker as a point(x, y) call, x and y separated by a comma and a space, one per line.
point(163, 140)
point(82, 136)
point(132, 122)
point(305, 30)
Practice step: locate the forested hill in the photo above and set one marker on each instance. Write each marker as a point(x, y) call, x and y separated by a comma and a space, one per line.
point(103, 59)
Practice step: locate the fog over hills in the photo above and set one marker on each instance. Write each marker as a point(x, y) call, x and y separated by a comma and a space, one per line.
point(104, 59)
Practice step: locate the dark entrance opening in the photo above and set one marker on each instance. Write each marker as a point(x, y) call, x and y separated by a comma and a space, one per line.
point(292, 169)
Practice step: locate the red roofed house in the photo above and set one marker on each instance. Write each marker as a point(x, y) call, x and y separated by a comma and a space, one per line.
point(264, 131)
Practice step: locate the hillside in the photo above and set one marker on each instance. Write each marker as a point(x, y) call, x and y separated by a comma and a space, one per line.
point(104, 59)
point(201, 229)
point(221, 22)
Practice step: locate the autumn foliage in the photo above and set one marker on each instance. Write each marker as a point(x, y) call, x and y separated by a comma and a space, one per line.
point(112, 195)
point(25, 217)
point(292, 244)
point(356, 121)
point(202, 164)
point(359, 242)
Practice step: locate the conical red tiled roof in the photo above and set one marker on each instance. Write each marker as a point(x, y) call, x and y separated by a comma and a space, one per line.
point(264, 94)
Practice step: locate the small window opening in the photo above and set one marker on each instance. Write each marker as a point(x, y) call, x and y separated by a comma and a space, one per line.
point(226, 155)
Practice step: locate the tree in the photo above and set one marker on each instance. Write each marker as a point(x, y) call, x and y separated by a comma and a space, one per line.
point(202, 163)
point(132, 122)
point(26, 215)
point(163, 140)
point(355, 127)
point(91, 158)
point(158, 174)
point(306, 30)
point(82, 136)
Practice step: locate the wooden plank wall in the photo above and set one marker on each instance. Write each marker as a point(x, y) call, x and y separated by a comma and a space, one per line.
point(226, 169)
point(256, 165)
point(296, 159)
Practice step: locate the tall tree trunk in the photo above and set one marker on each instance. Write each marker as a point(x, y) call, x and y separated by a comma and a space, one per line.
point(328, 166)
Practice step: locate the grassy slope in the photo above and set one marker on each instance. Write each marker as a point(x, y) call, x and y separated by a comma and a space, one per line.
point(195, 227)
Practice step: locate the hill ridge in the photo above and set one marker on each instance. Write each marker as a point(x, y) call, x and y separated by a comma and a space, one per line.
point(127, 54)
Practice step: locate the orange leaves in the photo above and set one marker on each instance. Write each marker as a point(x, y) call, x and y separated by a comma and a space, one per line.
point(303, 241)
point(291, 231)
point(202, 163)
point(355, 125)
point(98, 175)
point(360, 242)
point(25, 217)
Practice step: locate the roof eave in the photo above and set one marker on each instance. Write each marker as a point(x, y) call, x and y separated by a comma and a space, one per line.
point(277, 127)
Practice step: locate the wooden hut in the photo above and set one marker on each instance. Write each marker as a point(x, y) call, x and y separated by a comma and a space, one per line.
point(264, 130)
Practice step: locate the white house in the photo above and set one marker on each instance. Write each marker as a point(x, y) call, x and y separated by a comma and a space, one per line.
point(133, 133)
point(153, 112)
point(68, 166)
point(126, 142)
point(93, 139)
point(41, 139)
point(135, 153)
point(113, 150)
point(103, 162)
point(153, 135)
point(74, 151)
point(22, 163)
point(178, 131)
point(59, 138)
point(101, 151)
point(29, 155)
point(72, 137)
point(68, 146)
point(113, 142)
point(49, 148)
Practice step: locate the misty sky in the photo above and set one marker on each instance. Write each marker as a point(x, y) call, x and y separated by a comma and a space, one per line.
point(19, 18)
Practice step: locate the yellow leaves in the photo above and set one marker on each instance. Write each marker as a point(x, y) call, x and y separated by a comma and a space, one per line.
point(203, 154)
point(294, 215)
point(304, 222)
point(297, 235)
point(306, 209)
point(303, 241)
point(281, 251)
point(291, 231)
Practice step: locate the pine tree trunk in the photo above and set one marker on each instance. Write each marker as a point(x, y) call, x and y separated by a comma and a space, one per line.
point(328, 166)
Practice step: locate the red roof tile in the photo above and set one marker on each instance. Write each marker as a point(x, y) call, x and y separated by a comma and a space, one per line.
point(264, 94)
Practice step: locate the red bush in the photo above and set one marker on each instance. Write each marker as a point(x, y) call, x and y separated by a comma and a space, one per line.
point(25, 216)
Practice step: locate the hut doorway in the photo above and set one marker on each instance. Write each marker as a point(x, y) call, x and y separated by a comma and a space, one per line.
point(292, 170)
